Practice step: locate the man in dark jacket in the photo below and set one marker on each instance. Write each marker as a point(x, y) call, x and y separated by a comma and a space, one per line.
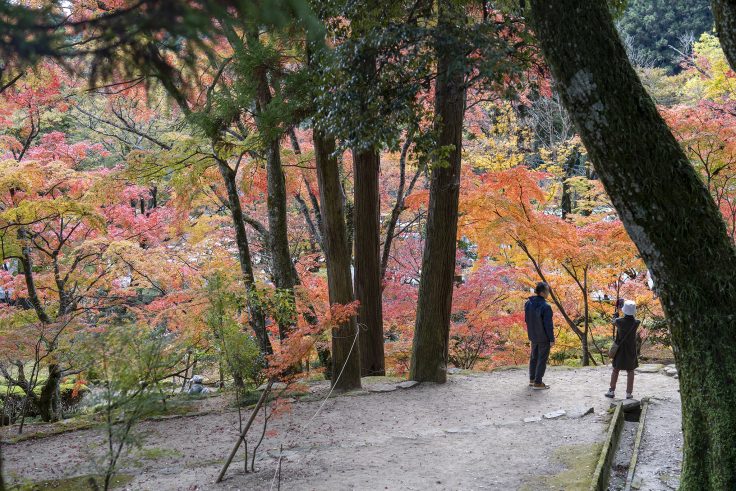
point(539, 327)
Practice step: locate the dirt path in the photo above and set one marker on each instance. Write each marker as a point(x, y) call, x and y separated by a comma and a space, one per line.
point(467, 434)
point(660, 455)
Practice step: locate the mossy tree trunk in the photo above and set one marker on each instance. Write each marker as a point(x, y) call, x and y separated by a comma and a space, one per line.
point(432, 328)
point(345, 348)
point(724, 14)
point(669, 215)
point(257, 316)
point(284, 273)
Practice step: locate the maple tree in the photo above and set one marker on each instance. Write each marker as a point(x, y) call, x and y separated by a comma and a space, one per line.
point(352, 188)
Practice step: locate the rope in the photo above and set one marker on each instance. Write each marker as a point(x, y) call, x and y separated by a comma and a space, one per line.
point(322, 405)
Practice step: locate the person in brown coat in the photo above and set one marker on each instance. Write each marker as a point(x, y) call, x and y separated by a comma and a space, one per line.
point(625, 357)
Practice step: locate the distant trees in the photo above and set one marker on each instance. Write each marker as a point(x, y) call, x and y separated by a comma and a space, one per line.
point(657, 28)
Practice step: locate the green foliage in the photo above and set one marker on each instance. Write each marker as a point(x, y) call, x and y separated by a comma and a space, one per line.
point(131, 361)
point(131, 41)
point(238, 349)
point(372, 87)
point(76, 483)
point(654, 25)
point(658, 332)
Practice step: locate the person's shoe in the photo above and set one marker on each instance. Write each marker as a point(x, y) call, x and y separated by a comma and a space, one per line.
point(531, 383)
point(610, 394)
point(537, 386)
point(629, 396)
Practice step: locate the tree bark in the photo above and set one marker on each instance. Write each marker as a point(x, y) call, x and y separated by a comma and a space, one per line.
point(432, 329)
point(283, 268)
point(257, 316)
point(669, 215)
point(49, 401)
point(366, 169)
point(724, 14)
point(568, 202)
point(345, 351)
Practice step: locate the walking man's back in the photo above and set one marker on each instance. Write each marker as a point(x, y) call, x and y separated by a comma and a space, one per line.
point(539, 328)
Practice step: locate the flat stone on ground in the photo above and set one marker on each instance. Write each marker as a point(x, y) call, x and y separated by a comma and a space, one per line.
point(671, 371)
point(381, 388)
point(532, 419)
point(650, 368)
point(454, 370)
point(407, 384)
point(555, 414)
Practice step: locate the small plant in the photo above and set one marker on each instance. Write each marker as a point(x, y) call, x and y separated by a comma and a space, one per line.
point(130, 362)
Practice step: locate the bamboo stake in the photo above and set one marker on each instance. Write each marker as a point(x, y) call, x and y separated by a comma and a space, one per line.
point(234, 451)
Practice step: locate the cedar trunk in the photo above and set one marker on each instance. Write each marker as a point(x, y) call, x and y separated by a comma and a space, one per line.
point(432, 329)
point(668, 213)
point(366, 167)
point(345, 350)
point(257, 316)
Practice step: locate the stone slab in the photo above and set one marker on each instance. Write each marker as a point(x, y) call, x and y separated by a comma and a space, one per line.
point(555, 414)
point(381, 388)
point(650, 368)
point(407, 384)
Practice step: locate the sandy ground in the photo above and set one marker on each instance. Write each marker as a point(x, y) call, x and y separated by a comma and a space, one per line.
point(467, 434)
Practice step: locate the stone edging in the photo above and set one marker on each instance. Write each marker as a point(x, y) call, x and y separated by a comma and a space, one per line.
point(637, 444)
point(603, 469)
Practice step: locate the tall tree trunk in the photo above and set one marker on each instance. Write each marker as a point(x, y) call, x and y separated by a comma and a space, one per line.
point(283, 268)
point(323, 352)
point(432, 330)
point(568, 201)
point(257, 316)
point(669, 215)
point(724, 14)
point(345, 351)
point(367, 199)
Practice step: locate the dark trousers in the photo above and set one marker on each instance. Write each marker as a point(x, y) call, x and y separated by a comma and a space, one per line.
point(538, 361)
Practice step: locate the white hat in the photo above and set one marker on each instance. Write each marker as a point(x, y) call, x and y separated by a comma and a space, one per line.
point(629, 307)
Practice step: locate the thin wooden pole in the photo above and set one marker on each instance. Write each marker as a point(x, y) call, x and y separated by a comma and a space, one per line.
point(234, 451)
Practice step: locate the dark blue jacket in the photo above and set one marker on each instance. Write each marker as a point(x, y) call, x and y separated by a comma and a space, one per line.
point(538, 316)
